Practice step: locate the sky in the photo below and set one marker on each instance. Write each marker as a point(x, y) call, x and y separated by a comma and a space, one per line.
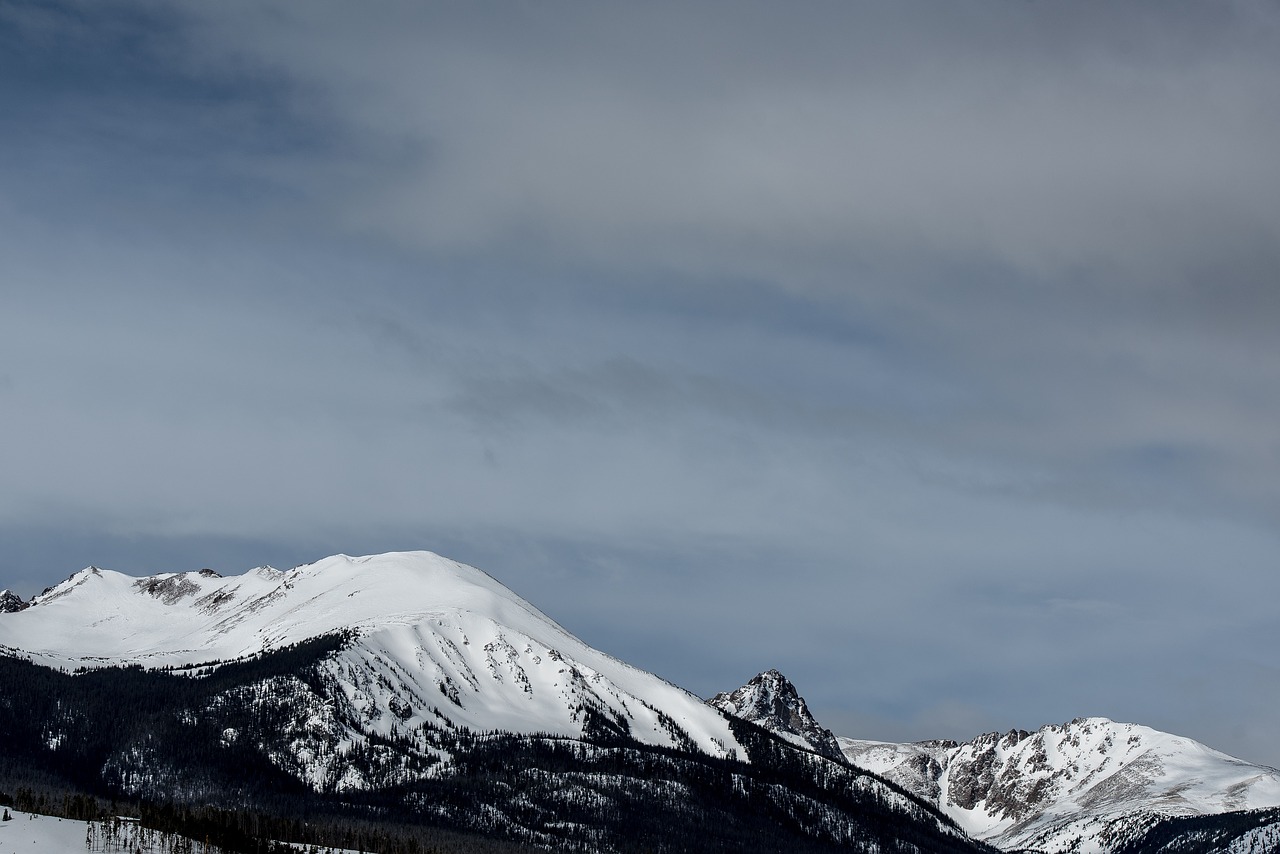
point(925, 351)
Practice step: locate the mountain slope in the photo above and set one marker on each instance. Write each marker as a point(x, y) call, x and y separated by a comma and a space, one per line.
point(1090, 784)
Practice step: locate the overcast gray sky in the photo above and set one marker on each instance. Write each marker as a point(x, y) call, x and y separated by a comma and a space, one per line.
point(926, 351)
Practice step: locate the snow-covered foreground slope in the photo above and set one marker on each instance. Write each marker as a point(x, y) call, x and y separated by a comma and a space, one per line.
point(1085, 786)
point(29, 833)
point(41, 834)
point(435, 640)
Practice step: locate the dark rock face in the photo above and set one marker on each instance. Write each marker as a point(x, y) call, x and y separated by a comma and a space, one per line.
point(168, 589)
point(771, 701)
point(11, 602)
point(986, 775)
point(925, 768)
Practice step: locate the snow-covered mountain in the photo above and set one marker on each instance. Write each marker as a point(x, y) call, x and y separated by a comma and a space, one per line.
point(1088, 785)
point(424, 689)
point(425, 677)
point(433, 638)
point(771, 701)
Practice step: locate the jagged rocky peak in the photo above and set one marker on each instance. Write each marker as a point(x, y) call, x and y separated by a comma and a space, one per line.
point(771, 701)
point(10, 602)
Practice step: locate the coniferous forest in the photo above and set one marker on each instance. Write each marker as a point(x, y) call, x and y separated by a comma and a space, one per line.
point(156, 745)
point(212, 756)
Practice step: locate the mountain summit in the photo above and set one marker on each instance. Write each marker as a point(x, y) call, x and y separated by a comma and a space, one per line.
point(771, 701)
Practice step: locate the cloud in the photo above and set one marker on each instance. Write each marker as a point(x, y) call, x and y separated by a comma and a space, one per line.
point(1073, 212)
point(703, 139)
point(923, 350)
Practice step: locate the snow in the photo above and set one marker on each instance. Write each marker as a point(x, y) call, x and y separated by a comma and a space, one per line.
point(100, 617)
point(28, 833)
point(434, 635)
point(498, 677)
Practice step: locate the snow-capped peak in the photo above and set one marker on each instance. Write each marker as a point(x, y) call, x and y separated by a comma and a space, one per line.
point(10, 602)
point(102, 616)
point(771, 701)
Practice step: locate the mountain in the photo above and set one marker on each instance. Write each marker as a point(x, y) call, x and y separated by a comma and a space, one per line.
point(770, 700)
point(10, 602)
point(1091, 784)
point(429, 633)
point(414, 692)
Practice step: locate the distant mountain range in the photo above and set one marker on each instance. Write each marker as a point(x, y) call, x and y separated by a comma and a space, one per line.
point(1087, 785)
point(410, 692)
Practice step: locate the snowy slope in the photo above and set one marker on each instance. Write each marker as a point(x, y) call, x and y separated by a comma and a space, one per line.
point(435, 640)
point(1082, 786)
point(30, 833)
